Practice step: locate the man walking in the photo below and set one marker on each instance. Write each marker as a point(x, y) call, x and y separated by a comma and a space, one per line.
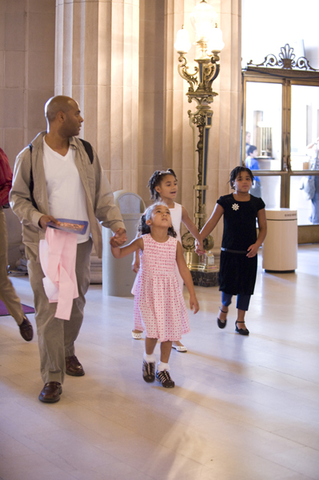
point(54, 177)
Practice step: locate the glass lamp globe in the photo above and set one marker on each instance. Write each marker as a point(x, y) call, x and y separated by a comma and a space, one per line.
point(182, 44)
point(215, 43)
point(203, 19)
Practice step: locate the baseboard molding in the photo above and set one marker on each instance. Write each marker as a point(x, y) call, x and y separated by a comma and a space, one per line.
point(308, 234)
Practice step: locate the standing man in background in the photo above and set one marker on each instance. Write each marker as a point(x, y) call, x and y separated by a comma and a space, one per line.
point(251, 162)
point(57, 176)
point(7, 292)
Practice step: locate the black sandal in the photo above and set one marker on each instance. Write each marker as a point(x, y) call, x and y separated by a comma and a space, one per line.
point(222, 323)
point(241, 331)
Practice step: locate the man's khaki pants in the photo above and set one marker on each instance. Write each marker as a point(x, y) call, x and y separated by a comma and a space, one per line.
point(56, 337)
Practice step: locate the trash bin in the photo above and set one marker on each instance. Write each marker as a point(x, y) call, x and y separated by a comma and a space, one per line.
point(117, 274)
point(280, 247)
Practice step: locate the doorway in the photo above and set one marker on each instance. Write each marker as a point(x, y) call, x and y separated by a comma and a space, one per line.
point(280, 130)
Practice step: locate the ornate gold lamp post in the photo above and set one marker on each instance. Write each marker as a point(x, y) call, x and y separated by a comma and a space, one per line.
point(209, 44)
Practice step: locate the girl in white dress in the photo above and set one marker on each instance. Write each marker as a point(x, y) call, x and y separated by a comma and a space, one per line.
point(159, 306)
point(163, 187)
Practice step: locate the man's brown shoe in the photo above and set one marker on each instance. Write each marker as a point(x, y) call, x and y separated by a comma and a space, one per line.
point(51, 392)
point(26, 330)
point(73, 367)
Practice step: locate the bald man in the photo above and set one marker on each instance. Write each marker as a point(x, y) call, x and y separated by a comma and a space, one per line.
point(54, 177)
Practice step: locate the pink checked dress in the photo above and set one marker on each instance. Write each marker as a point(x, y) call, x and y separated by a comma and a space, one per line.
point(159, 306)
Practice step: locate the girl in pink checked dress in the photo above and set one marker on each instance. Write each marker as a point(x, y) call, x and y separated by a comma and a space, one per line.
point(159, 306)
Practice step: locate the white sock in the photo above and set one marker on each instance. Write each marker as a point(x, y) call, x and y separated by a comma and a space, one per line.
point(161, 366)
point(149, 358)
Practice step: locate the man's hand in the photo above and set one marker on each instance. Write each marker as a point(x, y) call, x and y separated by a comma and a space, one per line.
point(118, 238)
point(45, 219)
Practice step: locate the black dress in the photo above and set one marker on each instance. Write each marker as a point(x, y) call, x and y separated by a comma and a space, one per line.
point(238, 272)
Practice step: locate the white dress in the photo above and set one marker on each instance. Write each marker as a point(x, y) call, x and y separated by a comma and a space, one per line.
point(176, 216)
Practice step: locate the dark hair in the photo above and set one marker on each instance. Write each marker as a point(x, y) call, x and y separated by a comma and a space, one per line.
point(156, 180)
point(236, 171)
point(251, 149)
point(143, 228)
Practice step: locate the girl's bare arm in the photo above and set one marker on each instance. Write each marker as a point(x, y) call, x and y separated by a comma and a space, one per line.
point(187, 277)
point(189, 224)
point(262, 226)
point(120, 252)
point(209, 227)
point(136, 259)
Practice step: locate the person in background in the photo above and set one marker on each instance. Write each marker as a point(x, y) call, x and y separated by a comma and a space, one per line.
point(57, 176)
point(248, 140)
point(8, 294)
point(313, 181)
point(251, 162)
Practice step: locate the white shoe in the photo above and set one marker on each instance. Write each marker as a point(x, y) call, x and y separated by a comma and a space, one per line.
point(137, 336)
point(180, 348)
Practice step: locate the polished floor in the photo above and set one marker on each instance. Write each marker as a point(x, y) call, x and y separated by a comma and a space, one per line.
point(244, 408)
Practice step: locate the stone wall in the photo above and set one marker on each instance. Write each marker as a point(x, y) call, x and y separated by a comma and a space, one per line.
point(27, 37)
point(117, 59)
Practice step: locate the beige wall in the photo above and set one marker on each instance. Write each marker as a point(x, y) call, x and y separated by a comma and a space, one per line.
point(27, 69)
point(26, 81)
point(117, 59)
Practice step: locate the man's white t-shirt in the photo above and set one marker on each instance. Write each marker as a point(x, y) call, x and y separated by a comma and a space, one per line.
point(66, 194)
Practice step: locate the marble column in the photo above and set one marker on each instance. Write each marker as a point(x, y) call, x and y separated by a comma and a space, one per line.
point(97, 63)
point(151, 93)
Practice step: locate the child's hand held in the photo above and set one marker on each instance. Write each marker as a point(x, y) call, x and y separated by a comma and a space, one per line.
point(118, 238)
point(199, 248)
point(113, 243)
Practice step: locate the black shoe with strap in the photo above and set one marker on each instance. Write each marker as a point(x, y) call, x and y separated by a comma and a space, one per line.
point(241, 331)
point(222, 323)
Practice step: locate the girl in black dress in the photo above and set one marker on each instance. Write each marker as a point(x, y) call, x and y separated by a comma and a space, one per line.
point(240, 244)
